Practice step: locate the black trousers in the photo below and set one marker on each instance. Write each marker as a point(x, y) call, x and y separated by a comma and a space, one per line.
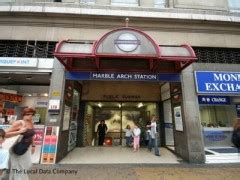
point(101, 138)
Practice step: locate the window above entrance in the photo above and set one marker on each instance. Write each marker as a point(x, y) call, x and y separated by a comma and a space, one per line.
point(123, 49)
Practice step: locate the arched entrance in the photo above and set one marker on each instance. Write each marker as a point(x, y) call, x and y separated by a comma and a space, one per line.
point(123, 55)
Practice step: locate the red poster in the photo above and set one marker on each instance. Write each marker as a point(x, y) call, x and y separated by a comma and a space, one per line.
point(38, 137)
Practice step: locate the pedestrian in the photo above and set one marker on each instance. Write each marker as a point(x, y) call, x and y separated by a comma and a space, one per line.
point(147, 136)
point(136, 138)
point(20, 154)
point(128, 135)
point(153, 142)
point(236, 134)
point(101, 132)
point(4, 155)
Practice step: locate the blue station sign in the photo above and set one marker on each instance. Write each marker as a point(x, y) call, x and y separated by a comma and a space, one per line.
point(108, 76)
point(217, 82)
point(214, 100)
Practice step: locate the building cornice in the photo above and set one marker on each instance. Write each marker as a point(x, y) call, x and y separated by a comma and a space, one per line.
point(131, 12)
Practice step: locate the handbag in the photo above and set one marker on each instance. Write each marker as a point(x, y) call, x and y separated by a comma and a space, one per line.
point(20, 148)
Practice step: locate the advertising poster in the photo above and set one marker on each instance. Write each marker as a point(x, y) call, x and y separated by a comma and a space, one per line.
point(178, 118)
point(38, 140)
point(50, 142)
point(66, 118)
point(168, 124)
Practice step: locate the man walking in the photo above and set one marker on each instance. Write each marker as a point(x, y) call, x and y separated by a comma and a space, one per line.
point(101, 131)
point(153, 142)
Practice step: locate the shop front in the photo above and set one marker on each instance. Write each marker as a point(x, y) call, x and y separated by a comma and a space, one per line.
point(25, 82)
point(218, 98)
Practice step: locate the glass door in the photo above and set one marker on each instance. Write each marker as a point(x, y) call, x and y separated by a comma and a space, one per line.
point(111, 114)
point(117, 115)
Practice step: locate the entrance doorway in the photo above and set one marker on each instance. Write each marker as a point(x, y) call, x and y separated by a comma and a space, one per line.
point(117, 116)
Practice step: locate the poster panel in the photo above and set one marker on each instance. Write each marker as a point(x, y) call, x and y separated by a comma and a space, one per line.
point(50, 142)
point(168, 124)
point(66, 118)
point(178, 118)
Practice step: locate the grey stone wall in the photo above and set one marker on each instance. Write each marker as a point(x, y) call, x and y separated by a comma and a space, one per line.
point(57, 85)
point(194, 137)
point(202, 4)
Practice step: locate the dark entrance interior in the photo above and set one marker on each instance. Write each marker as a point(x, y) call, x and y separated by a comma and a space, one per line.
point(117, 116)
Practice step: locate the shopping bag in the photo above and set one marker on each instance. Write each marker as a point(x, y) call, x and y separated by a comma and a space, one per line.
point(11, 141)
point(93, 142)
point(4, 158)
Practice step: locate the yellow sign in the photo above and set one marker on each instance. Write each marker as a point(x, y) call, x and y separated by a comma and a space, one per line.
point(56, 93)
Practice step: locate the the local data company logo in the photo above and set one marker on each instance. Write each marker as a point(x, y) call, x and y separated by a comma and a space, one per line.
point(127, 42)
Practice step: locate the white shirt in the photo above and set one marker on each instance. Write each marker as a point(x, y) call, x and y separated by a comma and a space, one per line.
point(153, 130)
point(136, 132)
point(128, 132)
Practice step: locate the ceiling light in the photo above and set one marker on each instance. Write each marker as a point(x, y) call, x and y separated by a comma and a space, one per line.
point(119, 105)
point(140, 105)
point(45, 94)
point(99, 105)
point(28, 77)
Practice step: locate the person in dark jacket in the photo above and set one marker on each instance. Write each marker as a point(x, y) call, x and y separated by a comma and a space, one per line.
point(101, 131)
point(236, 134)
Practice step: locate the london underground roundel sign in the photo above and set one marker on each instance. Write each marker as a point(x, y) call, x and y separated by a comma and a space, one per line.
point(127, 42)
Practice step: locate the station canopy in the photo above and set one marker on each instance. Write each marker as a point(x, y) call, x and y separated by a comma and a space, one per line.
point(123, 50)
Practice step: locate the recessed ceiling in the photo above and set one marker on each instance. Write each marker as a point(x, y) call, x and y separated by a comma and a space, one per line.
point(119, 104)
point(25, 79)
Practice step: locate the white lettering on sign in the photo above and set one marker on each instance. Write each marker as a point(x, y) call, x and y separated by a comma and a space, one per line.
point(124, 76)
point(222, 87)
point(219, 100)
point(18, 62)
point(144, 76)
point(226, 77)
point(54, 104)
point(103, 76)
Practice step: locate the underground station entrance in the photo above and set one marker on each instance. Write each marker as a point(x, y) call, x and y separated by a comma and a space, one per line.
point(123, 79)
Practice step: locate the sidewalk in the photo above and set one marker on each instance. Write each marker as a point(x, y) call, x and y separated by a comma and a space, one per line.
point(122, 164)
point(119, 163)
point(136, 172)
point(118, 155)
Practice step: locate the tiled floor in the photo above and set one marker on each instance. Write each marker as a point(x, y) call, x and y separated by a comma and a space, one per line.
point(123, 155)
point(118, 155)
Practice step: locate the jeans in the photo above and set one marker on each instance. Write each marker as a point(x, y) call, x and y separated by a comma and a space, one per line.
point(128, 141)
point(153, 143)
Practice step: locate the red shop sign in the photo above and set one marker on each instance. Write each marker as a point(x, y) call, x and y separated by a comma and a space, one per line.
point(10, 97)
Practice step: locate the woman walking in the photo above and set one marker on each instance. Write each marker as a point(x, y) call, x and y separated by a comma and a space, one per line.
point(136, 138)
point(20, 154)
